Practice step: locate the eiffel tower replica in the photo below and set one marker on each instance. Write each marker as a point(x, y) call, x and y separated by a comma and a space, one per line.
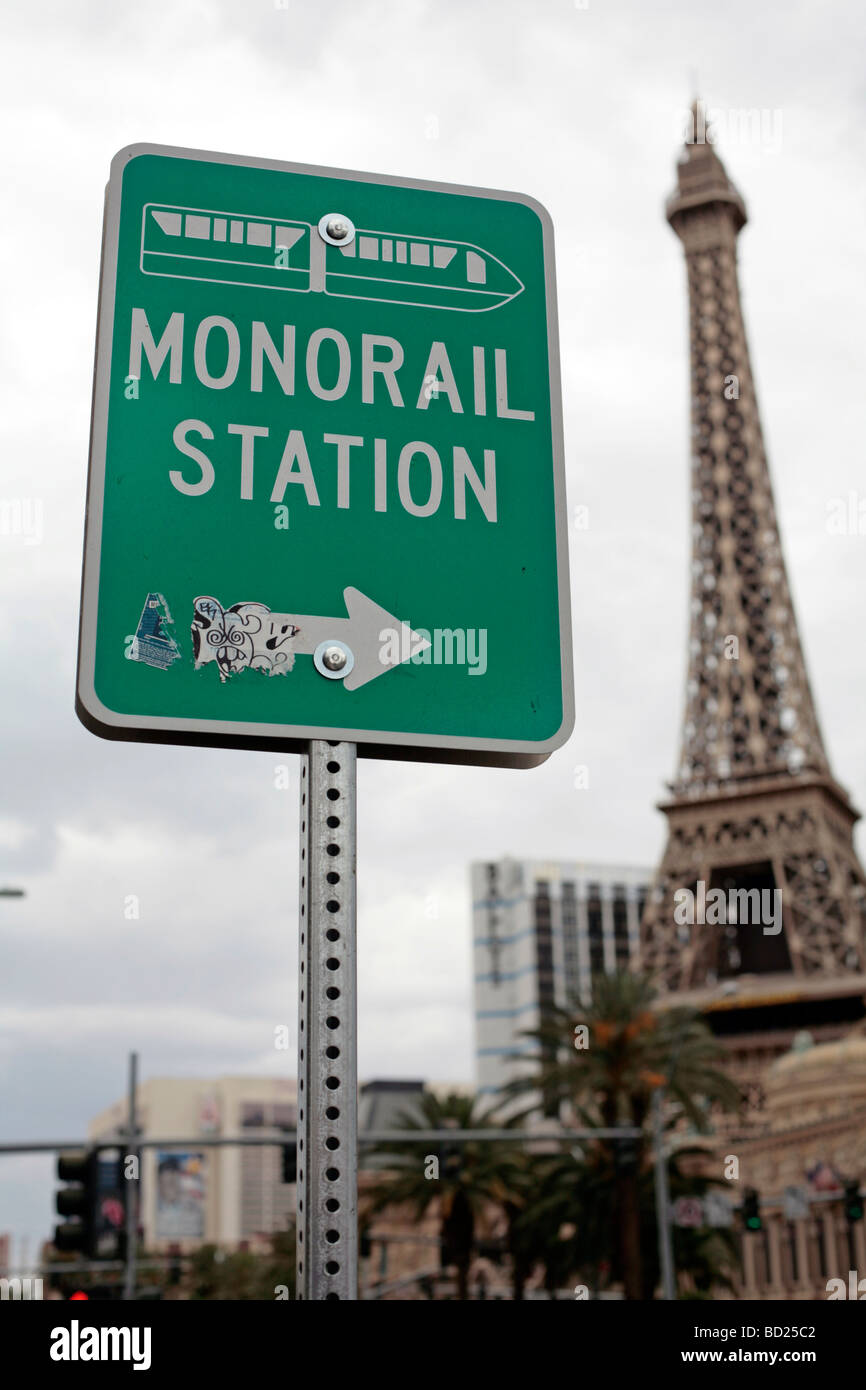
point(754, 804)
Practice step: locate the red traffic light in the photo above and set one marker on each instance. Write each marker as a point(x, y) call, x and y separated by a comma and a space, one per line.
point(79, 1293)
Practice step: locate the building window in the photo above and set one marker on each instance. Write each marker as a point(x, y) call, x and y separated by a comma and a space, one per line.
point(261, 1114)
point(544, 971)
point(620, 926)
point(595, 928)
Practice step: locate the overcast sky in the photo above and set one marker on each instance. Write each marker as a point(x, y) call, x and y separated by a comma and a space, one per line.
point(583, 107)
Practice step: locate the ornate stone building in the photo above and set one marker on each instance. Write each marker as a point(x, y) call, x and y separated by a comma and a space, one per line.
point(757, 911)
point(813, 1139)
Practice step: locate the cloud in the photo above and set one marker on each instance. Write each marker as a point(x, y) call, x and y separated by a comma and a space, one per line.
point(580, 108)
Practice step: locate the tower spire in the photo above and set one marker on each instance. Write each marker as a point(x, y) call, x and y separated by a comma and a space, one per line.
point(749, 707)
point(703, 184)
point(754, 804)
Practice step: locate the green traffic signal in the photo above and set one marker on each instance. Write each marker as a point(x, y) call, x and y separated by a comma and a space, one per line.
point(752, 1219)
point(853, 1202)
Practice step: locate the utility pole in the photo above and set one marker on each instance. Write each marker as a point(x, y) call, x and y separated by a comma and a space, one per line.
point(132, 1188)
point(663, 1200)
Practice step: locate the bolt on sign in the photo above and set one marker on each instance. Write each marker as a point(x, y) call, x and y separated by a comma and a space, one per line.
point(326, 491)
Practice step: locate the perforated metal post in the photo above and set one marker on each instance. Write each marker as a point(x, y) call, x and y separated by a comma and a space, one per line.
point(327, 1040)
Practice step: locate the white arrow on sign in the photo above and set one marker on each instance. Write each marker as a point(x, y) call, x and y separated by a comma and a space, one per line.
point(251, 635)
point(365, 632)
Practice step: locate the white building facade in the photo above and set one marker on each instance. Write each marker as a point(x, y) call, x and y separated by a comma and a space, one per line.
point(541, 930)
point(229, 1195)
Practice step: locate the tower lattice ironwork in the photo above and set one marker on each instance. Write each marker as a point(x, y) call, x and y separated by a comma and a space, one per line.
point(754, 804)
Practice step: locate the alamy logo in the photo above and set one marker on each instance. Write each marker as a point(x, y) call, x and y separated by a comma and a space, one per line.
point(22, 517)
point(856, 1288)
point(74, 1343)
point(444, 646)
point(21, 1288)
point(751, 907)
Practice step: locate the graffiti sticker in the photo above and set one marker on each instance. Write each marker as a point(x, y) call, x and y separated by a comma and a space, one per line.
point(152, 643)
point(245, 635)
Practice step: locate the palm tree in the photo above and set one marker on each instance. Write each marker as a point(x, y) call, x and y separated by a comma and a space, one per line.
point(547, 1225)
point(465, 1178)
point(573, 1208)
point(603, 1064)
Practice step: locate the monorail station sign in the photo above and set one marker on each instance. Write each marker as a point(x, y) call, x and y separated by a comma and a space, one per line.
point(326, 494)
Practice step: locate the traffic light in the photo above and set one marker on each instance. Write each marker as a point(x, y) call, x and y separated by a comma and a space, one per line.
point(94, 1198)
point(853, 1202)
point(290, 1163)
point(752, 1211)
point(366, 1243)
point(77, 1200)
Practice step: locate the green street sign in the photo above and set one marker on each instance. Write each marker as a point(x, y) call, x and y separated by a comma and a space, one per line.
point(326, 494)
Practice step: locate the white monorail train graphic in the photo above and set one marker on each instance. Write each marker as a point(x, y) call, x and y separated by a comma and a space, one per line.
point(282, 254)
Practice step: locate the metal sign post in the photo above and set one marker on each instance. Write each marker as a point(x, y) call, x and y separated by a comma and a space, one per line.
point(327, 1027)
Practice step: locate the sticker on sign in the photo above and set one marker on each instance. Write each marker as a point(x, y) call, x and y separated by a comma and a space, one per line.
point(326, 445)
